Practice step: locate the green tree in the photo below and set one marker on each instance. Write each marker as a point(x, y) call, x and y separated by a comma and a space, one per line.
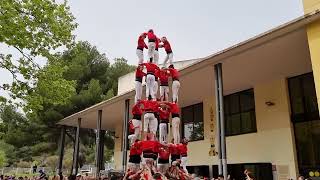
point(32, 28)
point(3, 158)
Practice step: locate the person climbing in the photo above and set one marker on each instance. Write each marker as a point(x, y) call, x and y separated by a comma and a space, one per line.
point(138, 83)
point(140, 47)
point(174, 73)
point(167, 47)
point(151, 44)
point(150, 79)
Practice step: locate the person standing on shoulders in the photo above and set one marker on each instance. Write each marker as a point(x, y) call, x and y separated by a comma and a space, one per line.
point(138, 83)
point(167, 47)
point(175, 114)
point(150, 121)
point(164, 84)
point(135, 122)
point(151, 44)
point(150, 79)
point(140, 47)
point(175, 83)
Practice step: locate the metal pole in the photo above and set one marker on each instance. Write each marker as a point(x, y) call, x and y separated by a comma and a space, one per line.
point(61, 148)
point(217, 93)
point(222, 123)
point(76, 149)
point(102, 135)
point(125, 134)
point(98, 144)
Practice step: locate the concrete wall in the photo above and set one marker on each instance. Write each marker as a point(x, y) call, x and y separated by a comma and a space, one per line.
point(126, 82)
point(313, 33)
point(272, 143)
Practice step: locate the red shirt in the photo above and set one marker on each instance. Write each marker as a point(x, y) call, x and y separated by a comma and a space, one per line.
point(136, 110)
point(152, 146)
point(164, 114)
point(156, 74)
point(139, 73)
point(157, 43)
point(150, 105)
point(164, 77)
point(173, 149)
point(164, 153)
point(151, 68)
point(167, 47)
point(174, 107)
point(174, 73)
point(183, 149)
point(151, 36)
point(141, 43)
point(135, 148)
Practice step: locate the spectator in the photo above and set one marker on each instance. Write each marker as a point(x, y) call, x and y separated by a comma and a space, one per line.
point(301, 178)
point(34, 168)
point(43, 175)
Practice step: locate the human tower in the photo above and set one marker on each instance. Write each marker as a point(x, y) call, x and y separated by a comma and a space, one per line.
point(147, 148)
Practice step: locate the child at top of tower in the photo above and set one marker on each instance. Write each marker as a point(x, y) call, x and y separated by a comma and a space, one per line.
point(140, 47)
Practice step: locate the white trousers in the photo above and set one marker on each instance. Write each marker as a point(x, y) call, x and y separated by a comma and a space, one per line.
point(175, 90)
point(150, 85)
point(151, 49)
point(156, 57)
point(140, 56)
point(138, 91)
point(163, 168)
point(163, 132)
point(168, 58)
point(184, 161)
point(137, 128)
point(164, 93)
point(176, 130)
point(155, 89)
point(150, 123)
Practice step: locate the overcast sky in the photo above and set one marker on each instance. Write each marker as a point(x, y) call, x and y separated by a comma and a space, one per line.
point(195, 28)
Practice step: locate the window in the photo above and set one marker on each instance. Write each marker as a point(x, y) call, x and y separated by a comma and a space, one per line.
point(303, 99)
point(306, 122)
point(192, 118)
point(240, 117)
